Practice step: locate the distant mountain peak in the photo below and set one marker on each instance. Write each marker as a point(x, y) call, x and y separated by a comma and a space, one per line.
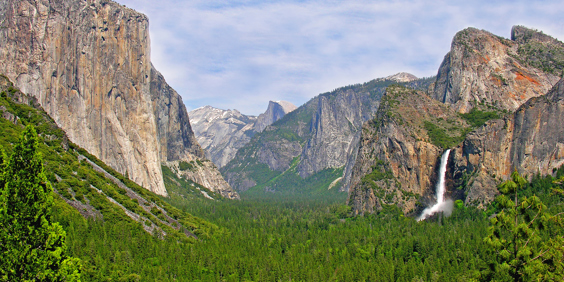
point(402, 77)
point(222, 132)
point(286, 106)
point(275, 111)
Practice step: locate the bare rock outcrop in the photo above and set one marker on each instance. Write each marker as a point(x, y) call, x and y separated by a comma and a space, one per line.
point(223, 132)
point(484, 68)
point(320, 136)
point(482, 77)
point(397, 158)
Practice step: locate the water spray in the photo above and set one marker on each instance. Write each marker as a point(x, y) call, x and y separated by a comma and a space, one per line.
point(441, 205)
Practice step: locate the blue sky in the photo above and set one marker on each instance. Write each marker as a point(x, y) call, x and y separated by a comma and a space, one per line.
point(241, 54)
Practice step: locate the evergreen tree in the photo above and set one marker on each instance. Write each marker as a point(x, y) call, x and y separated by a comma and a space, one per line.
point(32, 248)
point(516, 237)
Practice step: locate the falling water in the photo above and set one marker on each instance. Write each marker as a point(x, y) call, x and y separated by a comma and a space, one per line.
point(441, 204)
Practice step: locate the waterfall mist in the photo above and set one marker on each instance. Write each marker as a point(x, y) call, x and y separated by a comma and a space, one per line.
point(441, 205)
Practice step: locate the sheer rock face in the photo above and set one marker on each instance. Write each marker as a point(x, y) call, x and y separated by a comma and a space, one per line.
point(88, 64)
point(397, 163)
point(480, 68)
point(335, 130)
point(323, 134)
point(275, 111)
point(484, 68)
point(530, 141)
point(175, 135)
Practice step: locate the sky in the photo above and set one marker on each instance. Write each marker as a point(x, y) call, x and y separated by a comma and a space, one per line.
point(239, 54)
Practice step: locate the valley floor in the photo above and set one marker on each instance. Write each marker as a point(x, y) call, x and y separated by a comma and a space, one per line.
point(282, 240)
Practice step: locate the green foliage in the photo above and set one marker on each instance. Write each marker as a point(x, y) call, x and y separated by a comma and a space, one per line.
point(546, 57)
point(295, 127)
point(379, 172)
point(290, 185)
point(183, 166)
point(516, 237)
point(109, 236)
point(31, 245)
point(283, 240)
point(441, 137)
point(477, 118)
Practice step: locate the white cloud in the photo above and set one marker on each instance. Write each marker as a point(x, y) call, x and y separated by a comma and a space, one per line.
point(240, 54)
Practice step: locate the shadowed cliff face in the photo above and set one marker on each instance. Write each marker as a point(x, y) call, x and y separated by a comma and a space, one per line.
point(88, 64)
point(176, 138)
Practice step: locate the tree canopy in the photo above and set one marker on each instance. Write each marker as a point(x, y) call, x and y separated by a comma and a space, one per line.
point(522, 236)
point(32, 247)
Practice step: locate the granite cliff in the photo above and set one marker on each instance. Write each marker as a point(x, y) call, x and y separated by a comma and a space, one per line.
point(398, 151)
point(221, 132)
point(531, 141)
point(489, 103)
point(88, 64)
point(85, 183)
point(484, 68)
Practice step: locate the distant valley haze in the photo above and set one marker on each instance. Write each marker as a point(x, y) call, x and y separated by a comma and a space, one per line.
point(241, 54)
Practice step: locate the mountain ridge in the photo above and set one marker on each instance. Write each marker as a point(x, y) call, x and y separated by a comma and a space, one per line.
point(222, 132)
point(298, 145)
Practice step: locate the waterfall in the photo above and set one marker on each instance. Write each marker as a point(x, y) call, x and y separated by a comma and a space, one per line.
point(441, 204)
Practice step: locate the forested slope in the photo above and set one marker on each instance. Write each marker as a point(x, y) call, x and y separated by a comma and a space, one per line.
point(94, 201)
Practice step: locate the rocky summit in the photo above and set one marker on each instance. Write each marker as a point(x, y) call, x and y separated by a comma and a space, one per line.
point(88, 64)
point(484, 68)
point(495, 102)
point(402, 77)
point(275, 111)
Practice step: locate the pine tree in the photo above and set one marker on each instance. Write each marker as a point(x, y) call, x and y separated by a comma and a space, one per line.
point(32, 248)
point(515, 236)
